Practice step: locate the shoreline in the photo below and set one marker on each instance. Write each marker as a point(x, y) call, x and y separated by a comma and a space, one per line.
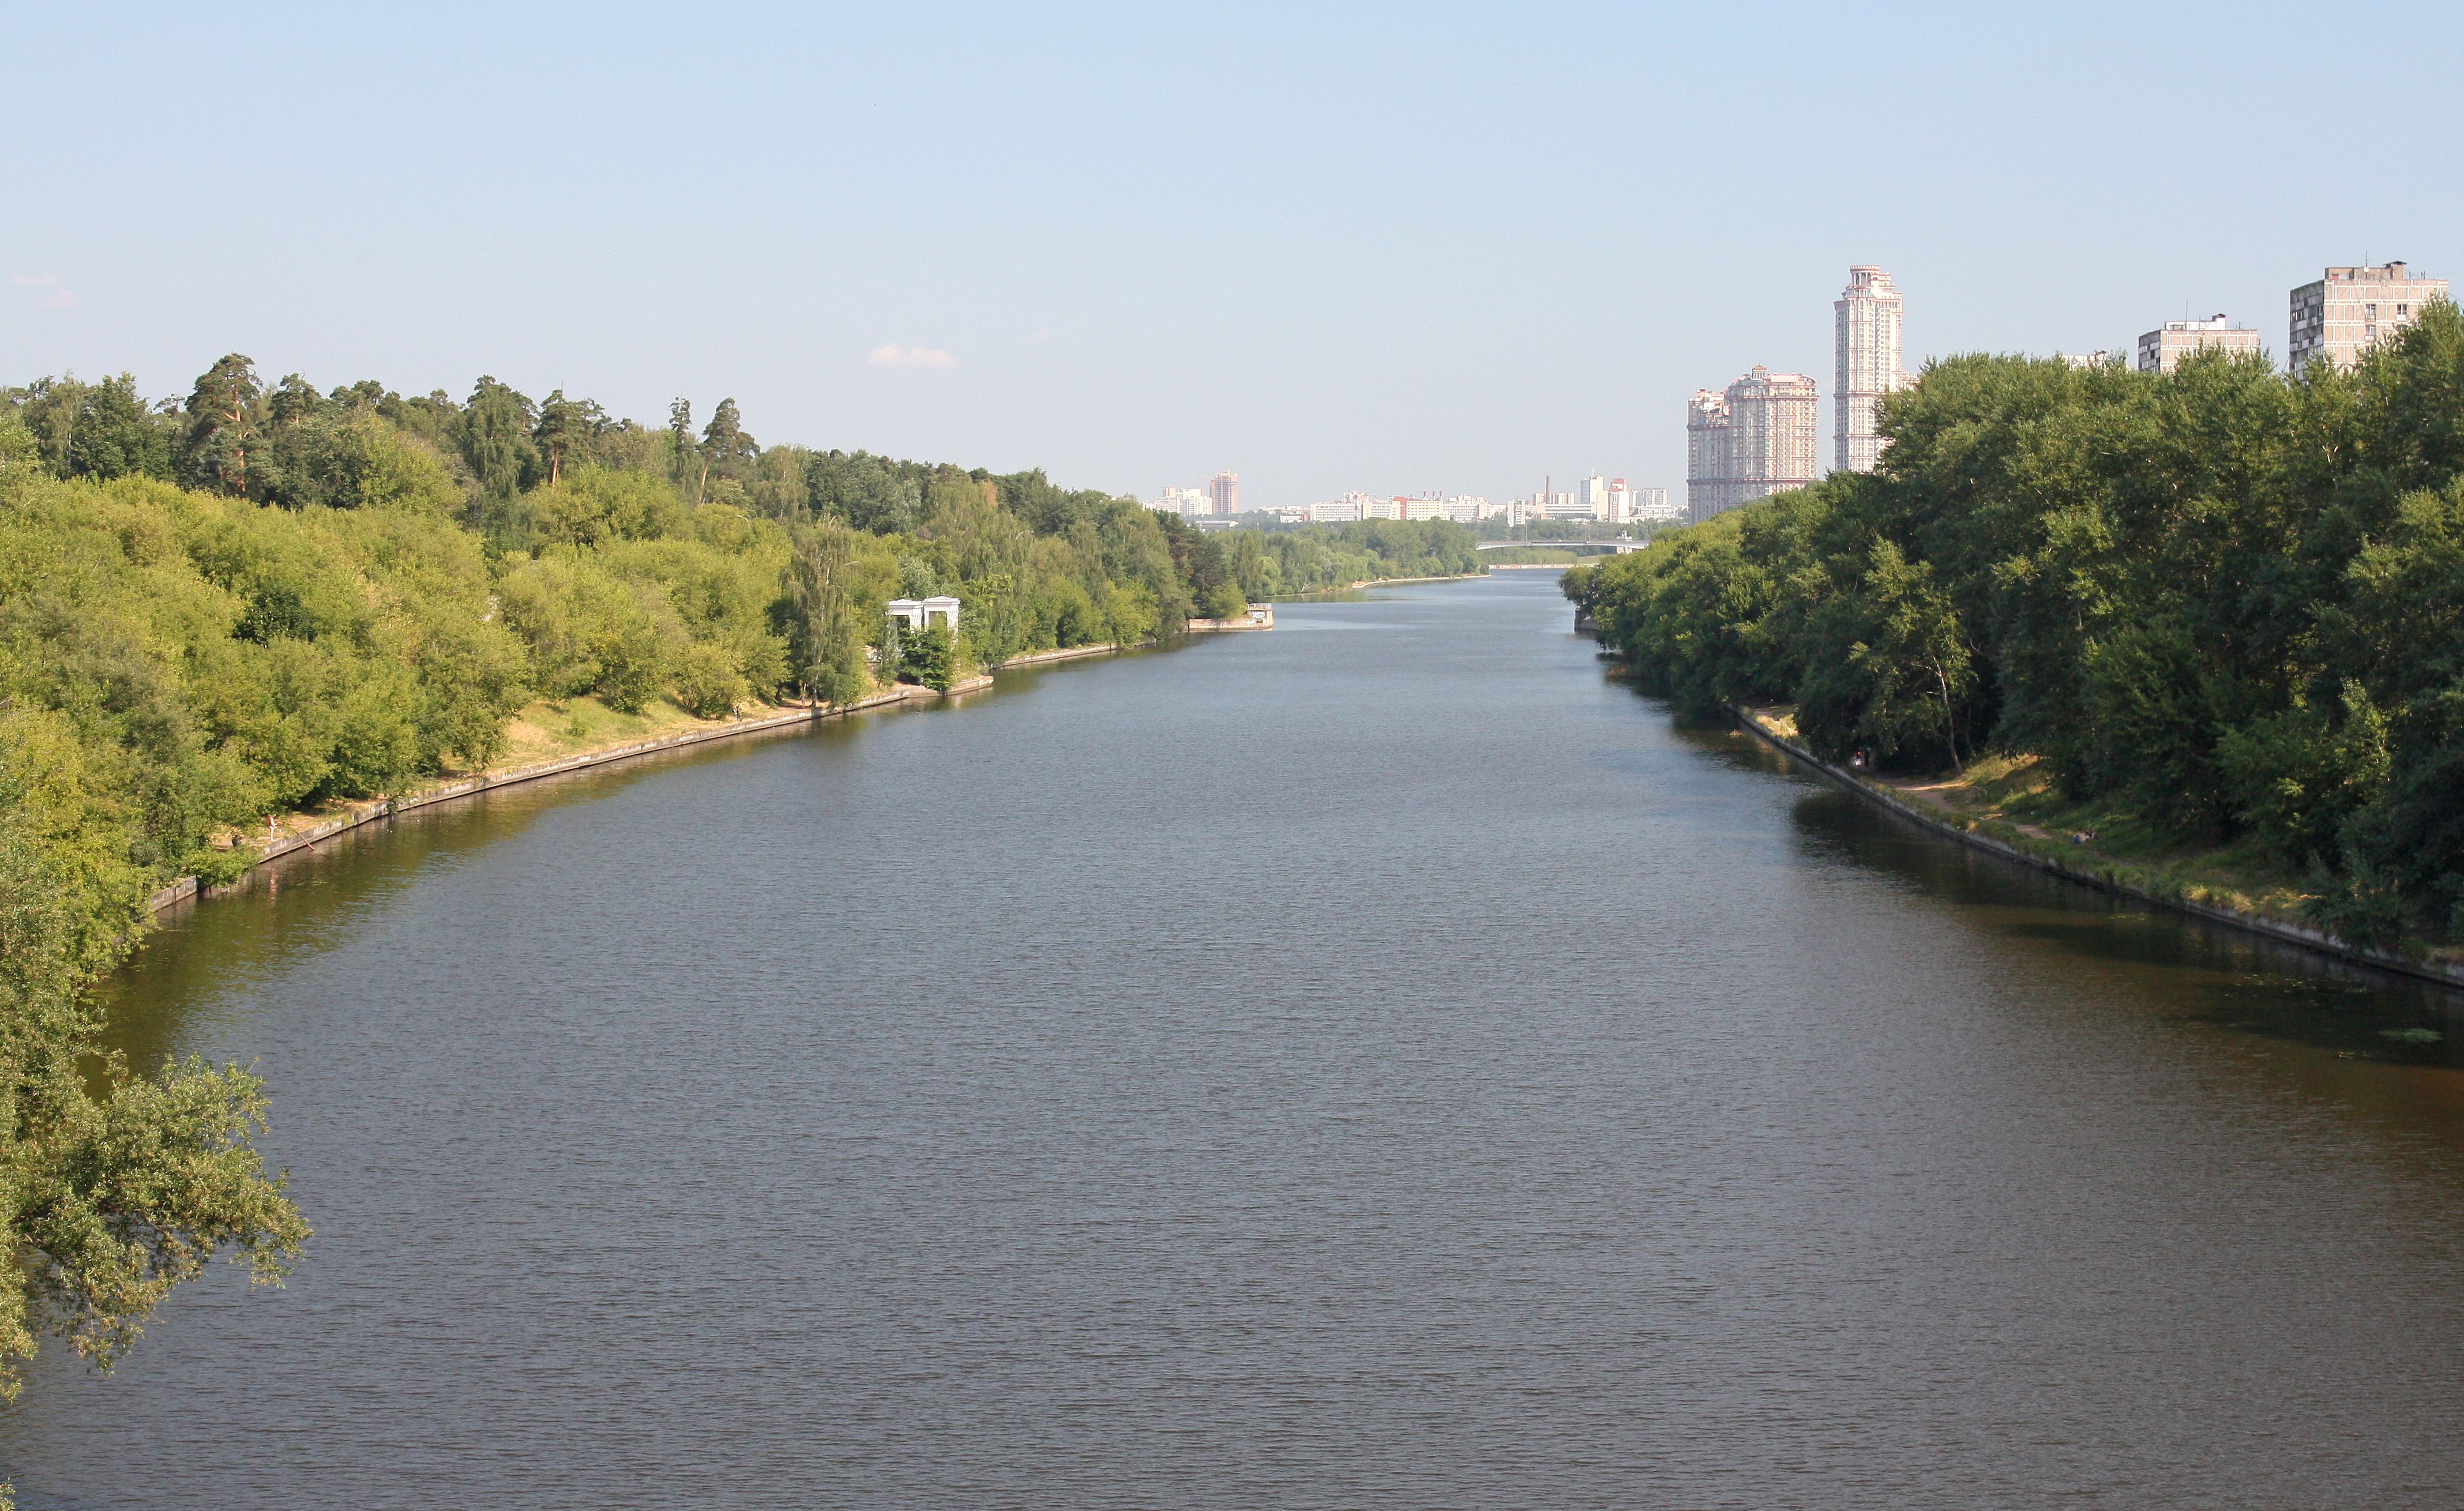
point(1380, 582)
point(2106, 878)
point(1036, 658)
point(369, 811)
point(1397, 581)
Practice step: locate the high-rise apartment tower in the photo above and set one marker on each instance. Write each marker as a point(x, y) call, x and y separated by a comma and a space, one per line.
point(1708, 488)
point(1763, 436)
point(1224, 493)
point(1868, 312)
point(2350, 309)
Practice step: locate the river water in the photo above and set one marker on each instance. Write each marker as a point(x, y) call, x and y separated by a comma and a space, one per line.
point(1381, 1063)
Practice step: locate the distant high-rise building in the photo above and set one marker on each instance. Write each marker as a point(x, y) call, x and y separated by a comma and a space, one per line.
point(1224, 492)
point(1868, 314)
point(1775, 432)
point(2161, 350)
point(1592, 497)
point(1709, 488)
point(1185, 502)
point(2350, 309)
point(1651, 506)
point(1761, 437)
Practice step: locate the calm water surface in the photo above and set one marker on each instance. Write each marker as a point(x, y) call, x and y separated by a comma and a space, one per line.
point(1380, 1062)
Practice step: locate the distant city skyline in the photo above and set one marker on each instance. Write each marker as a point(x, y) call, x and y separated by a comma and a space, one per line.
point(1045, 268)
point(1612, 497)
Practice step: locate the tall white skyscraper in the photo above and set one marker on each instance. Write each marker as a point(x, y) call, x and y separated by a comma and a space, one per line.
point(1869, 364)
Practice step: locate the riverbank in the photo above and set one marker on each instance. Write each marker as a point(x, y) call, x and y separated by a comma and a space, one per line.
point(1038, 658)
point(536, 730)
point(299, 831)
point(1966, 809)
point(1398, 582)
point(1378, 582)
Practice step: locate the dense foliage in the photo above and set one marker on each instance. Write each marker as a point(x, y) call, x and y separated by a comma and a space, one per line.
point(263, 597)
point(1312, 557)
point(2228, 602)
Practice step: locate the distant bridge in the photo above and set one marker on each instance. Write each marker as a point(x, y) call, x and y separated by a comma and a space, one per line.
point(1612, 547)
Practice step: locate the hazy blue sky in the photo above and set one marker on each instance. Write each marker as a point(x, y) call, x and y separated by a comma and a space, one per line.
point(1328, 246)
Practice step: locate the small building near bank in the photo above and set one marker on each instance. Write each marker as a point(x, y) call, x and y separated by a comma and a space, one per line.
point(923, 613)
point(1257, 616)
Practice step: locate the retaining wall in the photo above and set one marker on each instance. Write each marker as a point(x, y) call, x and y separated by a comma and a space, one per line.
point(2282, 929)
point(1036, 658)
point(488, 781)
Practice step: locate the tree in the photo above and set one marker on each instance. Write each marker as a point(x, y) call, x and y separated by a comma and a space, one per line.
point(684, 457)
point(1915, 653)
point(928, 656)
point(117, 1193)
point(100, 430)
point(825, 640)
point(563, 426)
point(226, 416)
point(51, 409)
point(470, 680)
point(119, 436)
point(21, 455)
point(727, 451)
point(497, 424)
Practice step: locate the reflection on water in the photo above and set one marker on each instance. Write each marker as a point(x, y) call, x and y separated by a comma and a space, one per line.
point(206, 953)
point(1377, 1062)
point(2233, 980)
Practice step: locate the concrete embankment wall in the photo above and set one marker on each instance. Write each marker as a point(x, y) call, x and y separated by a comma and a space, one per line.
point(186, 887)
point(2101, 878)
point(1036, 658)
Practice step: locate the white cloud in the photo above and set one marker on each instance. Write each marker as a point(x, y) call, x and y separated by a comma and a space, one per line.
point(894, 355)
point(60, 299)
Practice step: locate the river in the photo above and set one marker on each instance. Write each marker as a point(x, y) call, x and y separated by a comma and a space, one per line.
point(1379, 1062)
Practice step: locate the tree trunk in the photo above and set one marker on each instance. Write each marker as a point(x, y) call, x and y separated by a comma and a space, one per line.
point(1949, 721)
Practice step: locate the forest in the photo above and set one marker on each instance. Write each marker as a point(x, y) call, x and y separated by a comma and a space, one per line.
point(259, 597)
point(2223, 605)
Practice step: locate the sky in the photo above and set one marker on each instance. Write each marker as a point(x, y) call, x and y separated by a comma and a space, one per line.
point(1329, 248)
